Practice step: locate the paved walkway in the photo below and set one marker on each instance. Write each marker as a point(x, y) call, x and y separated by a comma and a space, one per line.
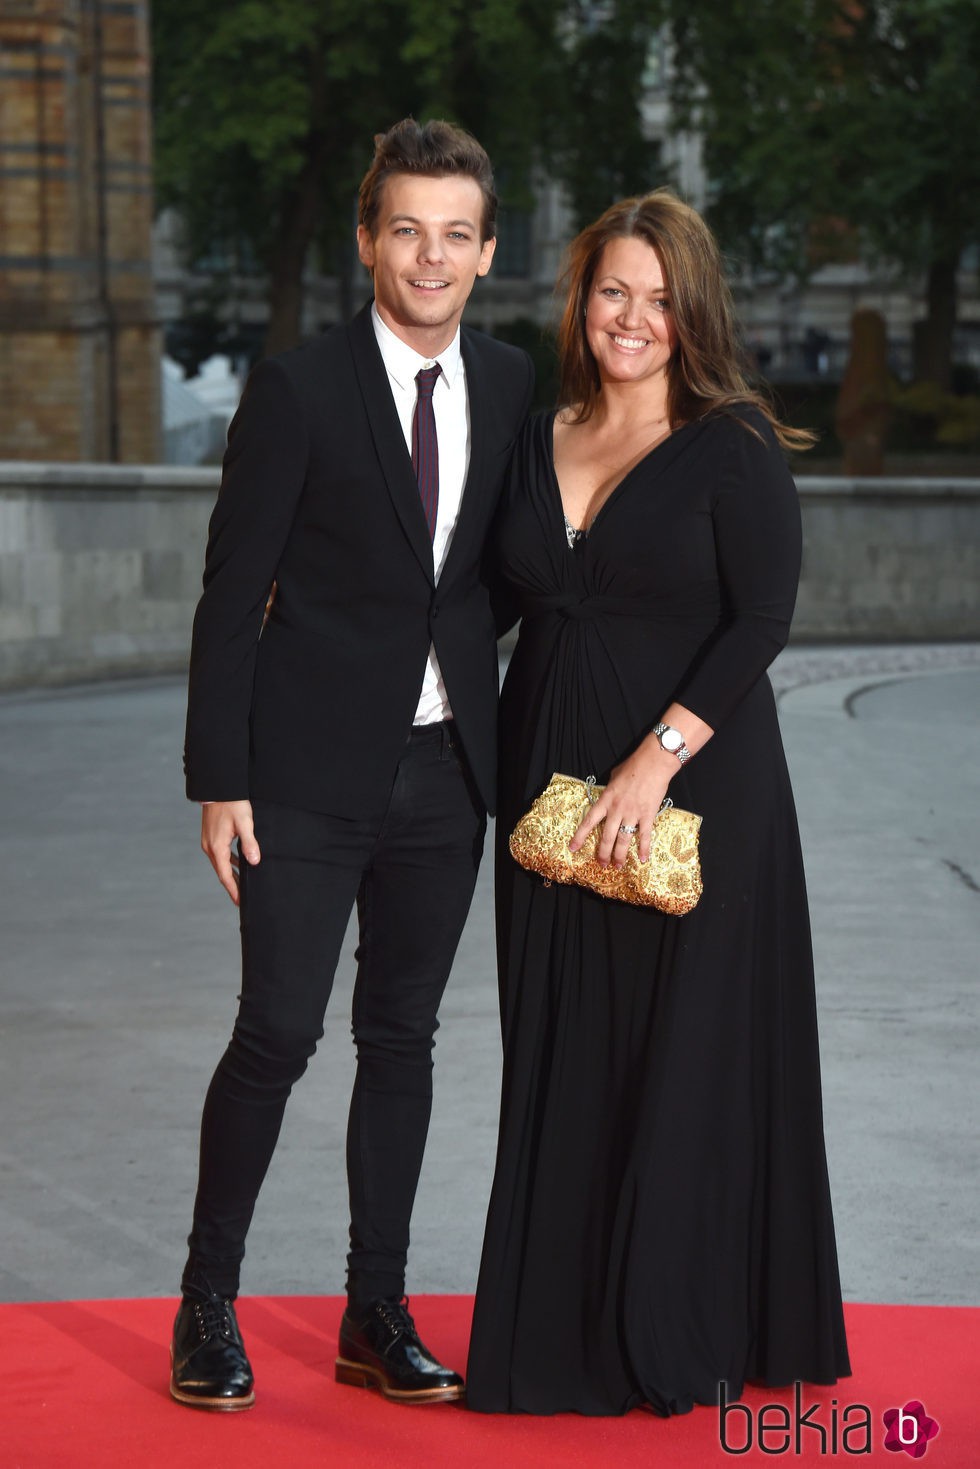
point(119, 976)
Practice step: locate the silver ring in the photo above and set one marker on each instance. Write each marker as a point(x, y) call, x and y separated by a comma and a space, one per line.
point(628, 831)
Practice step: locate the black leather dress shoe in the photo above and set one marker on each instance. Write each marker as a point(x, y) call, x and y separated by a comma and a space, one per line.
point(384, 1352)
point(209, 1366)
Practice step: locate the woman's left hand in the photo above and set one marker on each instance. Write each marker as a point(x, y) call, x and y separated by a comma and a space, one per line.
point(631, 800)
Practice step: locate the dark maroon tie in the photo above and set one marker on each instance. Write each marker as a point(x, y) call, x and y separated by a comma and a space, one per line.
point(425, 447)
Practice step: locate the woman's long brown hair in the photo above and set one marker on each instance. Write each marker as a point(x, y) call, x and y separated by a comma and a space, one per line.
point(704, 373)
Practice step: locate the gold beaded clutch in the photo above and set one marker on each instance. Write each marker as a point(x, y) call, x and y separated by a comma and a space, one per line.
point(670, 880)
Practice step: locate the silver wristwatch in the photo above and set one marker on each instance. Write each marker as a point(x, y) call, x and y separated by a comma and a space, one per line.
point(672, 741)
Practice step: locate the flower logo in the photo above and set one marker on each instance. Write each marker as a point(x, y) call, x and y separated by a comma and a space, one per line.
point(909, 1428)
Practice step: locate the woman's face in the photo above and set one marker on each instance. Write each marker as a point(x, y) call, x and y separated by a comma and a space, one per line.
point(628, 323)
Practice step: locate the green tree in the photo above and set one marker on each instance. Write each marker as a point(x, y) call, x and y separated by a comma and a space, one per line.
point(596, 145)
point(836, 124)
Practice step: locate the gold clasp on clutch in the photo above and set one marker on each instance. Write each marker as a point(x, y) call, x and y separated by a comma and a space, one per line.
point(665, 804)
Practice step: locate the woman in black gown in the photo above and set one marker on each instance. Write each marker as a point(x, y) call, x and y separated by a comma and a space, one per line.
point(660, 1219)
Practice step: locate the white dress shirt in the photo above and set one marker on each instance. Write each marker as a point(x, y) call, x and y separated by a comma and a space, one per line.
point(451, 408)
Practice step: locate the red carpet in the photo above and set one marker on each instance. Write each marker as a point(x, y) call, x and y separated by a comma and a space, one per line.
point(85, 1387)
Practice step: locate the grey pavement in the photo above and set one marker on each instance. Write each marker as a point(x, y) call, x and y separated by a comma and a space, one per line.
point(119, 976)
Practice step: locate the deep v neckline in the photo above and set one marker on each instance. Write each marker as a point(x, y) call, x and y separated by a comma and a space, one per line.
point(585, 531)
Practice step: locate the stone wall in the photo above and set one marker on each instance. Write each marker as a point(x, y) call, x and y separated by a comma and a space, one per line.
point(892, 560)
point(100, 566)
point(100, 569)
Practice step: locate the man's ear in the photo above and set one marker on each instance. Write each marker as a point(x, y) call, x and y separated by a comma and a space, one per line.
point(486, 255)
point(365, 246)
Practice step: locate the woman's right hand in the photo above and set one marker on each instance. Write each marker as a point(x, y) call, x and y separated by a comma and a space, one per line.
point(636, 791)
point(632, 799)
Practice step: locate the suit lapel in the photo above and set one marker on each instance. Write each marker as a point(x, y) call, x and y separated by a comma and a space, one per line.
point(389, 441)
point(470, 520)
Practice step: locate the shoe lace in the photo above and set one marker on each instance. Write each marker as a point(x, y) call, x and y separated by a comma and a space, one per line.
point(213, 1318)
point(395, 1315)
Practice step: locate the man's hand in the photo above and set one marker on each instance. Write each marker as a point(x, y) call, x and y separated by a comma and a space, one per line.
point(221, 823)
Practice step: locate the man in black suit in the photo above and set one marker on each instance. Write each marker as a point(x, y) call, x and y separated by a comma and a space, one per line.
point(346, 744)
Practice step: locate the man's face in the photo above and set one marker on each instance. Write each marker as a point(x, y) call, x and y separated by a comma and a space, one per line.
point(425, 255)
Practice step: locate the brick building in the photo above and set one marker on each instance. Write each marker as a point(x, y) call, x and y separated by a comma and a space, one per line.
point(79, 339)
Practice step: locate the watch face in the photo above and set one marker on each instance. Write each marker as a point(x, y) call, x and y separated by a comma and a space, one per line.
point(671, 740)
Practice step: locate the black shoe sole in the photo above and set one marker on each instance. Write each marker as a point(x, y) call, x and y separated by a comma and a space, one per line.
point(358, 1374)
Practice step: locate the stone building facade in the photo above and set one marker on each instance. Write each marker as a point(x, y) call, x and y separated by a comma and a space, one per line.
point(80, 343)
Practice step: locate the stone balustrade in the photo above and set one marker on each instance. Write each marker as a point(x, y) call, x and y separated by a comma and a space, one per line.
point(100, 565)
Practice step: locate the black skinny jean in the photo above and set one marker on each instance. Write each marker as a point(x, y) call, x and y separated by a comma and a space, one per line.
point(412, 872)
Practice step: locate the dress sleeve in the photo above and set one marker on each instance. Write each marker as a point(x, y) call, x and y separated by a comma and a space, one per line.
point(758, 546)
point(261, 480)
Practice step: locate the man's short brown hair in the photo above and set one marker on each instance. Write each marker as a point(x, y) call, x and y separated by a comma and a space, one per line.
point(433, 149)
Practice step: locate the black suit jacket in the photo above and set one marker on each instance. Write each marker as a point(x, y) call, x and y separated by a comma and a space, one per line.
point(318, 494)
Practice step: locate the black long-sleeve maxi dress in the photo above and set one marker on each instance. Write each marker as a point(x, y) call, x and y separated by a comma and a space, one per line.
point(660, 1217)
